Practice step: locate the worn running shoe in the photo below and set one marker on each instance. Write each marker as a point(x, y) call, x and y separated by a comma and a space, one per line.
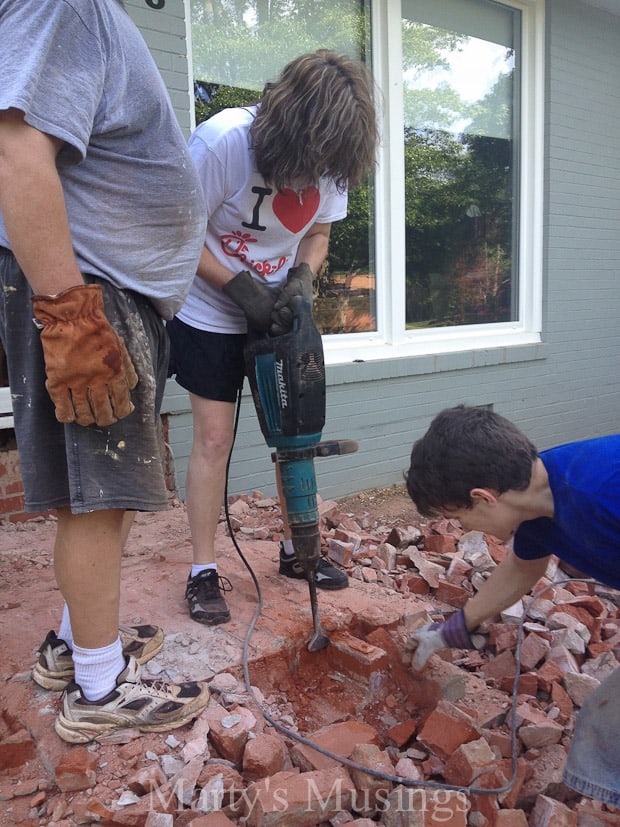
point(326, 576)
point(205, 599)
point(54, 668)
point(147, 705)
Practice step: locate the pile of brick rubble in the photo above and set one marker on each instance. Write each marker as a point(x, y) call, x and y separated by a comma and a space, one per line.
point(453, 736)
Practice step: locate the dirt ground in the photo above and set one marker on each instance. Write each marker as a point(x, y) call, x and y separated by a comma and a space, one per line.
point(155, 567)
point(270, 626)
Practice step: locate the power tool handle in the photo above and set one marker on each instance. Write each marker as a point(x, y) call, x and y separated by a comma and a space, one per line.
point(333, 447)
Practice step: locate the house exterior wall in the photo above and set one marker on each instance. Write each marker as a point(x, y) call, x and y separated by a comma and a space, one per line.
point(565, 388)
point(163, 25)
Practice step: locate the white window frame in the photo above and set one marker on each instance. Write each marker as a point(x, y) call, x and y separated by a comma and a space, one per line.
point(391, 339)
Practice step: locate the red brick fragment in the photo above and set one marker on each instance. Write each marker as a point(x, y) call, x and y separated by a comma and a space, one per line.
point(548, 812)
point(401, 733)
point(76, 770)
point(440, 544)
point(446, 728)
point(469, 761)
point(16, 749)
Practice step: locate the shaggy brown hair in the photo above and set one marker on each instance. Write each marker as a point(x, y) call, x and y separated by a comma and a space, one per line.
point(465, 448)
point(318, 119)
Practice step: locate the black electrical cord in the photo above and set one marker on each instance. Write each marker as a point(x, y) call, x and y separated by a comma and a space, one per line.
point(395, 779)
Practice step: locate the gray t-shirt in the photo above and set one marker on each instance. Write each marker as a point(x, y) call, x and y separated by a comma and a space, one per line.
point(81, 71)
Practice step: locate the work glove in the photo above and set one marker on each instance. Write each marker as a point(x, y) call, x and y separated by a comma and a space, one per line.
point(89, 372)
point(298, 283)
point(255, 299)
point(435, 636)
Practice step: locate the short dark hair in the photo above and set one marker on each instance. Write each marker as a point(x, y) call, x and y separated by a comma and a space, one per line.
point(317, 119)
point(465, 448)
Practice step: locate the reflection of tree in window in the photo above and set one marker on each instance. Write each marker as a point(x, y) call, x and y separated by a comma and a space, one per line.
point(237, 48)
point(459, 167)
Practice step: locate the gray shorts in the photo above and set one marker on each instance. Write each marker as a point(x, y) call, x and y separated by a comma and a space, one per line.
point(85, 468)
point(593, 765)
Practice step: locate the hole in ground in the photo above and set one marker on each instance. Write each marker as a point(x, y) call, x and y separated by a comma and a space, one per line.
point(357, 677)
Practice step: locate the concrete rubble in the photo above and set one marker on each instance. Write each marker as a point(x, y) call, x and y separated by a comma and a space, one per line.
point(438, 744)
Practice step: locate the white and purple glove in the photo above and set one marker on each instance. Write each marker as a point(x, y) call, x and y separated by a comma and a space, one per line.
point(435, 636)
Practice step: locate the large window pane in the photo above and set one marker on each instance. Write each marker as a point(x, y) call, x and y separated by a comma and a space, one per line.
point(237, 47)
point(461, 93)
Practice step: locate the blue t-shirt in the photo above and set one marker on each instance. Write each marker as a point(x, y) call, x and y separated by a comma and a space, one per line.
point(585, 530)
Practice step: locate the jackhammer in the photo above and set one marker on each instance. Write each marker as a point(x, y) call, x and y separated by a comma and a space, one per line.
point(287, 379)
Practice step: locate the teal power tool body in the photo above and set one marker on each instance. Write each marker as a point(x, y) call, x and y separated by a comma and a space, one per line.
point(287, 379)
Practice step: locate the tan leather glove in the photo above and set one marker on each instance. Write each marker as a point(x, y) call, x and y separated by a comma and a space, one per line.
point(255, 299)
point(298, 283)
point(89, 372)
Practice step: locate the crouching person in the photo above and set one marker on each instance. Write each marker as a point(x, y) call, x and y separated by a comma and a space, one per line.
point(477, 467)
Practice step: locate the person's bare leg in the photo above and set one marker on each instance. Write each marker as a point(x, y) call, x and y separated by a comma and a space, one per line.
point(128, 518)
point(206, 473)
point(87, 564)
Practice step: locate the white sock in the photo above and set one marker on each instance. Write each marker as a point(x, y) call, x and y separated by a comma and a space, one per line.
point(96, 670)
point(198, 567)
point(288, 548)
point(65, 633)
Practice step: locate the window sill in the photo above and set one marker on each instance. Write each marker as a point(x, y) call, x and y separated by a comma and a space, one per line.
point(374, 360)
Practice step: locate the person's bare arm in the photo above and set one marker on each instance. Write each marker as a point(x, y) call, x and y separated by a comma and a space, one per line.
point(33, 206)
point(211, 271)
point(509, 581)
point(313, 247)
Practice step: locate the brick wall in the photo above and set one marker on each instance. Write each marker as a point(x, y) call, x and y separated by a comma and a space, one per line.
point(12, 489)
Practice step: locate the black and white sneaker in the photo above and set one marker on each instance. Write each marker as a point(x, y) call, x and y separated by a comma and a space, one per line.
point(147, 705)
point(54, 667)
point(204, 595)
point(327, 577)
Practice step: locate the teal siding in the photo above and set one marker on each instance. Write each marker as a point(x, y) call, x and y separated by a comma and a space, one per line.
point(166, 35)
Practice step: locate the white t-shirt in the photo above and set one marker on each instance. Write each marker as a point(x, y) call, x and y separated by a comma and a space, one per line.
point(250, 226)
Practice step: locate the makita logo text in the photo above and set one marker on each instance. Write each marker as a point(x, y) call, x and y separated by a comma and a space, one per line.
point(282, 390)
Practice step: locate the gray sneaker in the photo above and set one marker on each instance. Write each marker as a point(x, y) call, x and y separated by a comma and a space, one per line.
point(54, 668)
point(205, 597)
point(147, 705)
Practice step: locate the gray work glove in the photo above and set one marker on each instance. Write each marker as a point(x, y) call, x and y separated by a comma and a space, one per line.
point(435, 636)
point(255, 299)
point(298, 283)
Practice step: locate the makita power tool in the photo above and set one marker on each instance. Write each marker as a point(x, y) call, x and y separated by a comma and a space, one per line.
point(287, 378)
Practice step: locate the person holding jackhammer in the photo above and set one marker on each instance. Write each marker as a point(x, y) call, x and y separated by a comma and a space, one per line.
point(275, 177)
point(477, 467)
point(101, 221)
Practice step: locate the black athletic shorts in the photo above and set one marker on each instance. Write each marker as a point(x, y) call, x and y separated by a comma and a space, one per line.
point(209, 365)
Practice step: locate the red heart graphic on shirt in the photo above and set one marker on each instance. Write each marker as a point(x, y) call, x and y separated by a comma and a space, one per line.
point(295, 211)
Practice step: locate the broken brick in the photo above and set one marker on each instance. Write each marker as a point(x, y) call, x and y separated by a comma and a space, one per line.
point(446, 728)
point(356, 656)
point(440, 544)
point(548, 812)
point(76, 770)
point(371, 790)
point(468, 761)
point(298, 799)
point(401, 733)
point(16, 749)
point(264, 755)
point(533, 649)
point(511, 818)
point(339, 739)
point(452, 594)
